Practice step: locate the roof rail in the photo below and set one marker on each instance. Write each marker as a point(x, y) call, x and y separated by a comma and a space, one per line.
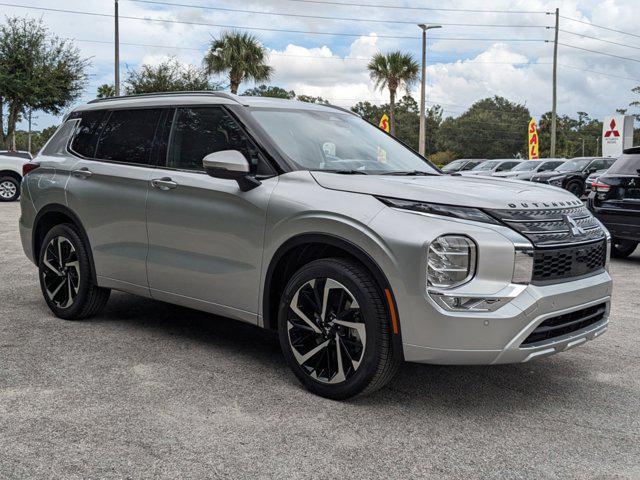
point(346, 110)
point(230, 96)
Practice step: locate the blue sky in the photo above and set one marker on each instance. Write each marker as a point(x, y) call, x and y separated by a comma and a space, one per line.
point(512, 61)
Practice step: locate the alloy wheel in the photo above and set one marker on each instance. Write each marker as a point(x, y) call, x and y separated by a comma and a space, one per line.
point(326, 330)
point(61, 272)
point(8, 189)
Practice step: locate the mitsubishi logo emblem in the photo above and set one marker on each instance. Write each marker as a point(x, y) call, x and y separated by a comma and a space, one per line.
point(613, 130)
point(575, 229)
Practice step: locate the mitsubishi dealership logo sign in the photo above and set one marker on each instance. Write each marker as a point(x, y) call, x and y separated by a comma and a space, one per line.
point(612, 130)
point(617, 134)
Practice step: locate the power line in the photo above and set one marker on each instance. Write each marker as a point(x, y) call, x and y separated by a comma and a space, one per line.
point(433, 60)
point(600, 26)
point(279, 30)
point(600, 53)
point(332, 18)
point(598, 39)
point(430, 9)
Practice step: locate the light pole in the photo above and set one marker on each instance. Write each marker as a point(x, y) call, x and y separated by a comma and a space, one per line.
point(423, 81)
point(116, 82)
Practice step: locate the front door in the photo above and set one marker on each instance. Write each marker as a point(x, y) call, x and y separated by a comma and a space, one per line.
point(205, 235)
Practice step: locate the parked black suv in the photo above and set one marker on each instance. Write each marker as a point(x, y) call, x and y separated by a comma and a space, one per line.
point(572, 174)
point(615, 201)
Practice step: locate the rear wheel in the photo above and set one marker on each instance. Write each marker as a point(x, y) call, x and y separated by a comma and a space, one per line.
point(334, 330)
point(576, 188)
point(65, 275)
point(622, 248)
point(9, 189)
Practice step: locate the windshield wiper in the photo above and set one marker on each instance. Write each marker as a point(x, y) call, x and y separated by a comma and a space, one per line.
point(345, 172)
point(413, 173)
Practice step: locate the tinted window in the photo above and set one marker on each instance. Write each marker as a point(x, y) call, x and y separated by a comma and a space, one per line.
point(87, 134)
point(484, 166)
point(550, 166)
point(128, 136)
point(200, 131)
point(507, 166)
point(470, 165)
point(626, 165)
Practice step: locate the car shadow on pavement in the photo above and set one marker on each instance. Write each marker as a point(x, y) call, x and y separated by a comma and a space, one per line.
point(471, 389)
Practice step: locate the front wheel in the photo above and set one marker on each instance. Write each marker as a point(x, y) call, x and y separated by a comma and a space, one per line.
point(576, 188)
point(622, 248)
point(334, 330)
point(9, 189)
point(65, 275)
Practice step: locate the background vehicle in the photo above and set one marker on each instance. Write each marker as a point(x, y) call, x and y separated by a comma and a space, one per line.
point(588, 183)
point(615, 201)
point(309, 221)
point(527, 169)
point(572, 174)
point(11, 174)
point(461, 165)
point(489, 167)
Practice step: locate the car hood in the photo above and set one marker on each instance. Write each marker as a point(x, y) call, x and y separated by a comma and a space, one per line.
point(553, 173)
point(506, 174)
point(482, 192)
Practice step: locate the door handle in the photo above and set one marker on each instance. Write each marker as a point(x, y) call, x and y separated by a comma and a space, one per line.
point(164, 183)
point(83, 172)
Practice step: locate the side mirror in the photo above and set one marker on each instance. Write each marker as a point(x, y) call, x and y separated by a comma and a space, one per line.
point(593, 170)
point(230, 165)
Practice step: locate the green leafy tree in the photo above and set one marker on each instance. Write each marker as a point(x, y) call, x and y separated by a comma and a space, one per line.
point(240, 56)
point(38, 71)
point(491, 128)
point(38, 138)
point(571, 135)
point(393, 70)
point(312, 99)
point(106, 90)
point(168, 76)
point(270, 91)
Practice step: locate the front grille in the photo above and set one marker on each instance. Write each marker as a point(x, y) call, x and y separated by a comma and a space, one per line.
point(568, 323)
point(551, 265)
point(551, 227)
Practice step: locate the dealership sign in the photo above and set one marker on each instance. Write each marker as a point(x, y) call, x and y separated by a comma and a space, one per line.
point(617, 134)
point(533, 140)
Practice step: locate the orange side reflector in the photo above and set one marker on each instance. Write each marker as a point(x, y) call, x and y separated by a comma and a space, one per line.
point(392, 309)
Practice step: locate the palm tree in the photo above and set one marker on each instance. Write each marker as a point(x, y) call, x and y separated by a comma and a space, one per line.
point(393, 70)
point(239, 54)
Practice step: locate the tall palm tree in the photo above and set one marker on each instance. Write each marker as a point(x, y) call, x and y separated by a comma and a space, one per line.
point(393, 70)
point(239, 54)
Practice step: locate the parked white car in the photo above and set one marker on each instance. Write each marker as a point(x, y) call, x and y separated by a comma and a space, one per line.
point(11, 173)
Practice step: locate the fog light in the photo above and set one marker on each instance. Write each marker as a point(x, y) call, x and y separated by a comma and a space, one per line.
point(451, 261)
point(474, 304)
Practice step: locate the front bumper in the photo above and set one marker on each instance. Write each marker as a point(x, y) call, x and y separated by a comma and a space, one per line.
point(497, 337)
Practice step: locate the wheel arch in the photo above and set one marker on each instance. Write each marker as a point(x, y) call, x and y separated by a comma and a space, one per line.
point(302, 249)
point(11, 173)
point(50, 216)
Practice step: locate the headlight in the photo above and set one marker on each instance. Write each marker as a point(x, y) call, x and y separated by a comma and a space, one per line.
point(464, 213)
point(451, 261)
point(556, 180)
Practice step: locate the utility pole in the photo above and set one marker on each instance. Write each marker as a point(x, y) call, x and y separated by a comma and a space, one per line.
point(29, 136)
point(583, 146)
point(423, 87)
point(597, 146)
point(117, 51)
point(555, 82)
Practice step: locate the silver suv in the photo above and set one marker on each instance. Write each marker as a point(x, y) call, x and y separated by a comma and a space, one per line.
point(307, 220)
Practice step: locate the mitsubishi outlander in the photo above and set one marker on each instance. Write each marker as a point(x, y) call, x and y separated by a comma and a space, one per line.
point(307, 220)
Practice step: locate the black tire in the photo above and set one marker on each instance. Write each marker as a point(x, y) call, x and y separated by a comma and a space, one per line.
point(12, 192)
point(89, 299)
point(622, 248)
point(576, 188)
point(378, 361)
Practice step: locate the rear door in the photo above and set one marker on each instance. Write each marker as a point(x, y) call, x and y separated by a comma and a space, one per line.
point(108, 188)
point(205, 234)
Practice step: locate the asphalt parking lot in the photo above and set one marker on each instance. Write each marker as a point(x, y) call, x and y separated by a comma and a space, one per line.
point(149, 390)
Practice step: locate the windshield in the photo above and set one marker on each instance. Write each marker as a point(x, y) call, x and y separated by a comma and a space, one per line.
point(525, 166)
point(454, 166)
point(335, 141)
point(573, 165)
point(485, 166)
point(627, 164)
